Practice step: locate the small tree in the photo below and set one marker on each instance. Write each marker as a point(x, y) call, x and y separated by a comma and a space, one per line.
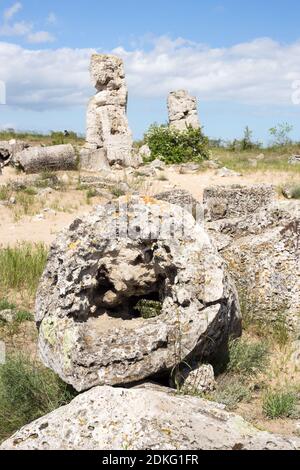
point(247, 143)
point(174, 146)
point(280, 133)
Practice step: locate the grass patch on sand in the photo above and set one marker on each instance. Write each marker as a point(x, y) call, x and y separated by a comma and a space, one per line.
point(22, 266)
point(28, 391)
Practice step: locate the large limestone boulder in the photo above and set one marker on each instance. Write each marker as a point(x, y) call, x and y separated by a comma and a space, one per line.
point(259, 238)
point(266, 268)
point(183, 111)
point(52, 158)
point(107, 124)
point(8, 149)
point(152, 418)
point(224, 202)
point(129, 292)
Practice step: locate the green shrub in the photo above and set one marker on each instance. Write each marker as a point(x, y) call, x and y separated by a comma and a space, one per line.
point(173, 146)
point(23, 316)
point(27, 392)
point(231, 391)
point(6, 305)
point(280, 405)
point(5, 193)
point(22, 266)
point(247, 358)
point(296, 192)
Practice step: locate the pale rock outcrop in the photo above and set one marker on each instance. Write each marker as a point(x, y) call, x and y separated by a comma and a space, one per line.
point(183, 110)
point(260, 240)
point(224, 202)
point(94, 328)
point(184, 199)
point(294, 160)
point(93, 160)
point(53, 158)
point(200, 380)
point(149, 417)
point(8, 149)
point(107, 124)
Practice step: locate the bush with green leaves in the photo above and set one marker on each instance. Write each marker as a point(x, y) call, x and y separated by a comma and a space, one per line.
point(231, 391)
point(280, 404)
point(247, 358)
point(280, 134)
point(27, 392)
point(173, 146)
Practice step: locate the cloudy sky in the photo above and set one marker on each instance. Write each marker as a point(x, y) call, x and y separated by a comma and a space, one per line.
point(241, 59)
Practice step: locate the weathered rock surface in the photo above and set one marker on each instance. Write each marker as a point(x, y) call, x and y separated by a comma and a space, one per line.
point(90, 330)
point(201, 380)
point(184, 199)
point(266, 268)
point(294, 160)
point(53, 158)
point(93, 160)
point(152, 418)
point(237, 201)
point(183, 111)
point(107, 124)
point(260, 240)
point(7, 316)
point(227, 173)
point(8, 149)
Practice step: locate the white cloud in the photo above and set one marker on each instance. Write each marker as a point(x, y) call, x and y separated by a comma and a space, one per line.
point(24, 28)
point(260, 72)
point(12, 11)
point(40, 37)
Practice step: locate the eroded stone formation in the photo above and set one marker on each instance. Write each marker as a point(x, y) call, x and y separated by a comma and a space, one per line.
point(260, 240)
point(147, 417)
point(108, 135)
point(183, 111)
point(94, 328)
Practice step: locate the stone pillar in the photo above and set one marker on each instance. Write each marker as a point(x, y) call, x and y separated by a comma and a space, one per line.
point(107, 124)
point(182, 110)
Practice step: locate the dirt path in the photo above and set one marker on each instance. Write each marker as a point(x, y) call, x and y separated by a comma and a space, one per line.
point(59, 209)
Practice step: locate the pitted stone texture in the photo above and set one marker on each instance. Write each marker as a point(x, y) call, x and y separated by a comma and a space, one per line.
point(266, 268)
point(8, 149)
point(223, 202)
point(107, 124)
point(183, 111)
point(93, 160)
point(200, 380)
point(89, 330)
point(184, 199)
point(150, 418)
point(53, 158)
point(263, 255)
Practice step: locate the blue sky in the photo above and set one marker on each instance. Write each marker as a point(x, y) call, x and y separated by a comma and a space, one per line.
point(241, 59)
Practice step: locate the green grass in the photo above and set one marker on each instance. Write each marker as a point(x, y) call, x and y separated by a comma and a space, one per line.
point(276, 159)
point(247, 358)
point(53, 138)
point(27, 392)
point(6, 305)
point(231, 391)
point(22, 266)
point(117, 192)
point(295, 191)
point(5, 193)
point(280, 404)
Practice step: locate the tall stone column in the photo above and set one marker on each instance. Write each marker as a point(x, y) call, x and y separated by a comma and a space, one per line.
point(107, 125)
point(183, 111)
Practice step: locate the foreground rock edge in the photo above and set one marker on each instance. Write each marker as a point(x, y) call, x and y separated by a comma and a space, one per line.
point(147, 417)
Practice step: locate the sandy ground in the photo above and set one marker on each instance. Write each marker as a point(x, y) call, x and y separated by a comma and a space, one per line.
point(59, 209)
